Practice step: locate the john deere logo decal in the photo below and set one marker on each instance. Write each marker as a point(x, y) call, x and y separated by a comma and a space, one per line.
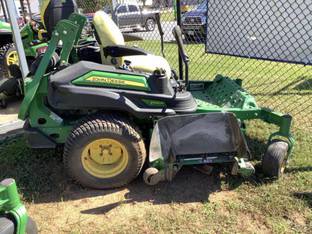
point(113, 81)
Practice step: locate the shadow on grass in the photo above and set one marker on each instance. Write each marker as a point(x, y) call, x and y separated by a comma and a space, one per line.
point(305, 196)
point(298, 169)
point(300, 84)
point(188, 186)
point(305, 84)
point(41, 178)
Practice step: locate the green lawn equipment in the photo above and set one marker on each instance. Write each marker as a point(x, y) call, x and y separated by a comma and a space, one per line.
point(34, 33)
point(106, 113)
point(13, 216)
point(34, 44)
point(35, 38)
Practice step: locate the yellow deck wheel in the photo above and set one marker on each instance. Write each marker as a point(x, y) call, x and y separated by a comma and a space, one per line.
point(105, 158)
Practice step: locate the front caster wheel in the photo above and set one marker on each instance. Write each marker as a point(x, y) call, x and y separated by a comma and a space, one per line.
point(151, 176)
point(275, 159)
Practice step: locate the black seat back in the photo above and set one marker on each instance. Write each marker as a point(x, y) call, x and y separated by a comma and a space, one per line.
point(52, 11)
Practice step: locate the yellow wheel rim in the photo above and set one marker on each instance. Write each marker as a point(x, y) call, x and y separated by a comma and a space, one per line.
point(12, 58)
point(105, 158)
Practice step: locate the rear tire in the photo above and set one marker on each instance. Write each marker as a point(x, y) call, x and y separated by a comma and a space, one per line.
point(4, 50)
point(10, 57)
point(275, 159)
point(104, 151)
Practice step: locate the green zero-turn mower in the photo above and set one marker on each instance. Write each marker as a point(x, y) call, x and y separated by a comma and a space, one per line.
point(13, 216)
point(34, 41)
point(10, 78)
point(109, 108)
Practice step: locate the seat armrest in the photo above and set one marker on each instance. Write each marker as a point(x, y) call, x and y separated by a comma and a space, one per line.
point(120, 51)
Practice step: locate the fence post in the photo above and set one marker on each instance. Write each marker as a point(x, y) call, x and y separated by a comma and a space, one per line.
point(4, 11)
point(178, 7)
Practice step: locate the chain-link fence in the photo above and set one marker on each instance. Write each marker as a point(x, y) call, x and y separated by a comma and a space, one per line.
point(273, 39)
point(267, 44)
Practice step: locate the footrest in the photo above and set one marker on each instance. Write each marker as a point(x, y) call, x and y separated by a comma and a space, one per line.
point(222, 93)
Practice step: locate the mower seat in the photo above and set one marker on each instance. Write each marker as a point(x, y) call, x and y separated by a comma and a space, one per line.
point(109, 36)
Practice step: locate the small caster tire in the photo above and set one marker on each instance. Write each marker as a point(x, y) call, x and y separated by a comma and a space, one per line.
point(274, 160)
point(151, 176)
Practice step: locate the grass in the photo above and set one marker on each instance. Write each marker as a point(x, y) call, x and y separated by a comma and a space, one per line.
point(193, 202)
point(167, 16)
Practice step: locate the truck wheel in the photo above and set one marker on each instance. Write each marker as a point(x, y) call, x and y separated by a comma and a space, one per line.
point(275, 159)
point(150, 25)
point(104, 151)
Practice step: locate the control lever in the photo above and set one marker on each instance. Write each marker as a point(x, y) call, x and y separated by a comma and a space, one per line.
point(177, 33)
point(161, 33)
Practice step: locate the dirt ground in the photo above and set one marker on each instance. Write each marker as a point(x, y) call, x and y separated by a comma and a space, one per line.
point(126, 209)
